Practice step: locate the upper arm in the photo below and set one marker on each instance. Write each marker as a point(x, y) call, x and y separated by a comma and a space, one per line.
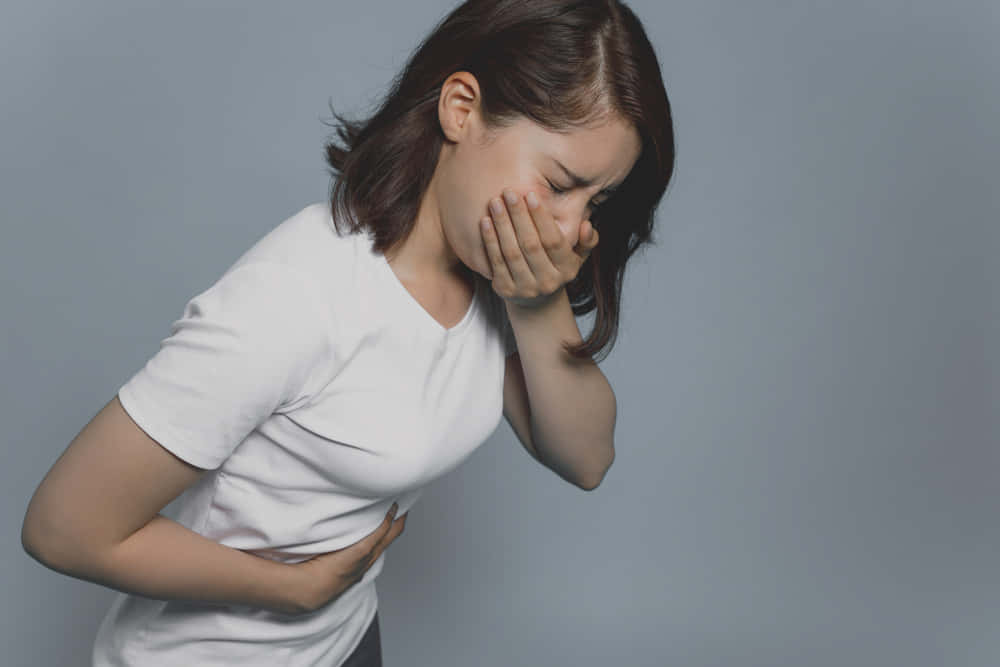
point(110, 481)
point(516, 408)
point(241, 350)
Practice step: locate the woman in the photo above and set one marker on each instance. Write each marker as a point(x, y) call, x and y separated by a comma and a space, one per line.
point(368, 344)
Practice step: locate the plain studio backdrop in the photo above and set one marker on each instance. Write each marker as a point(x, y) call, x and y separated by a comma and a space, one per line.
point(807, 469)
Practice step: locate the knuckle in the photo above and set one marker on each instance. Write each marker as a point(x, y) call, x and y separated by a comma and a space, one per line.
point(532, 246)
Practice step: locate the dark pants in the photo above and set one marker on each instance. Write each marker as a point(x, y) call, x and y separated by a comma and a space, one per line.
point(369, 651)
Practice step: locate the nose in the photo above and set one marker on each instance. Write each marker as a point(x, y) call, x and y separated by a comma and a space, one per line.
point(571, 215)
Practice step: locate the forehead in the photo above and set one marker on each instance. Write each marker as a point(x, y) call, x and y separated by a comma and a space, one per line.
point(603, 152)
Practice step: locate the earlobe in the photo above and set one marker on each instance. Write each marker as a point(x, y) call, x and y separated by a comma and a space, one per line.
point(451, 118)
point(458, 100)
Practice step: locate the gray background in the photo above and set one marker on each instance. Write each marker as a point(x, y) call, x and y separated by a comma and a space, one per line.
point(807, 469)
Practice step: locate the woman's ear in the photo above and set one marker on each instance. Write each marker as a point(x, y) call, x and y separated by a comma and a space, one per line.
point(458, 104)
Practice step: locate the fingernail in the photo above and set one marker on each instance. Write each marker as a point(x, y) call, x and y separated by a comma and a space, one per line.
point(532, 200)
point(395, 506)
point(509, 197)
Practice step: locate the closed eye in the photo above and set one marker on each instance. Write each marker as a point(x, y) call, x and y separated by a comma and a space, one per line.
point(560, 191)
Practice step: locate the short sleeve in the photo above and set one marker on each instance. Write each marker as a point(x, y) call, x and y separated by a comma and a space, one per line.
point(241, 350)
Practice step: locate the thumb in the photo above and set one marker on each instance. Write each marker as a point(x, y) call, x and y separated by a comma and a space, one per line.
point(587, 241)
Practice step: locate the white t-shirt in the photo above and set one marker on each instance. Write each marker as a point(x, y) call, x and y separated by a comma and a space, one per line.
point(317, 391)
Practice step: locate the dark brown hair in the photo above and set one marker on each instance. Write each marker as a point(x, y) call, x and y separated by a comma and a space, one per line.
point(564, 64)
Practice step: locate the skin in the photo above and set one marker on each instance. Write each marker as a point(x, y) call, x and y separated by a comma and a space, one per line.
point(447, 243)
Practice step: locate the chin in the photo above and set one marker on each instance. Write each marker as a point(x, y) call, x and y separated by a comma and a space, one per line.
point(480, 265)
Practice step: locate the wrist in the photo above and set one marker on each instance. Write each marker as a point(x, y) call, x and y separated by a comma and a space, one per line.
point(283, 587)
point(521, 307)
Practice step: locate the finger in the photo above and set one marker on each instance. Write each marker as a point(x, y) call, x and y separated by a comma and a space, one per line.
point(549, 233)
point(394, 531)
point(528, 239)
point(588, 239)
point(375, 542)
point(517, 265)
point(387, 530)
point(501, 274)
point(559, 253)
point(372, 539)
point(541, 240)
point(398, 526)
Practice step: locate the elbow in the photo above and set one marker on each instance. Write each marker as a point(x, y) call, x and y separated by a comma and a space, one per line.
point(28, 545)
point(594, 481)
point(37, 539)
point(36, 531)
point(40, 540)
point(31, 531)
point(591, 484)
point(65, 558)
point(34, 545)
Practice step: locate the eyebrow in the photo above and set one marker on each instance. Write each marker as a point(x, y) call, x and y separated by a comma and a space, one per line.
point(581, 182)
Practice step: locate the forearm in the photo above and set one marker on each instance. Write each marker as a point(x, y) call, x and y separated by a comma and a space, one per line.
point(573, 408)
point(165, 560)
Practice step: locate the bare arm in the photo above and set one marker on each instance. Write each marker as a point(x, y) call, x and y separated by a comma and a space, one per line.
point(95, 516)
point(516, 408)
point(563, 407)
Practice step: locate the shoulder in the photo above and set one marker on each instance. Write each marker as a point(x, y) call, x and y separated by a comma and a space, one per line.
point(306, 235)
point(309, 245)
point(263, 302)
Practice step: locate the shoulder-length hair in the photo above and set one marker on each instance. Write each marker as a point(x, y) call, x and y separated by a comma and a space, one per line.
point(564, 64)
